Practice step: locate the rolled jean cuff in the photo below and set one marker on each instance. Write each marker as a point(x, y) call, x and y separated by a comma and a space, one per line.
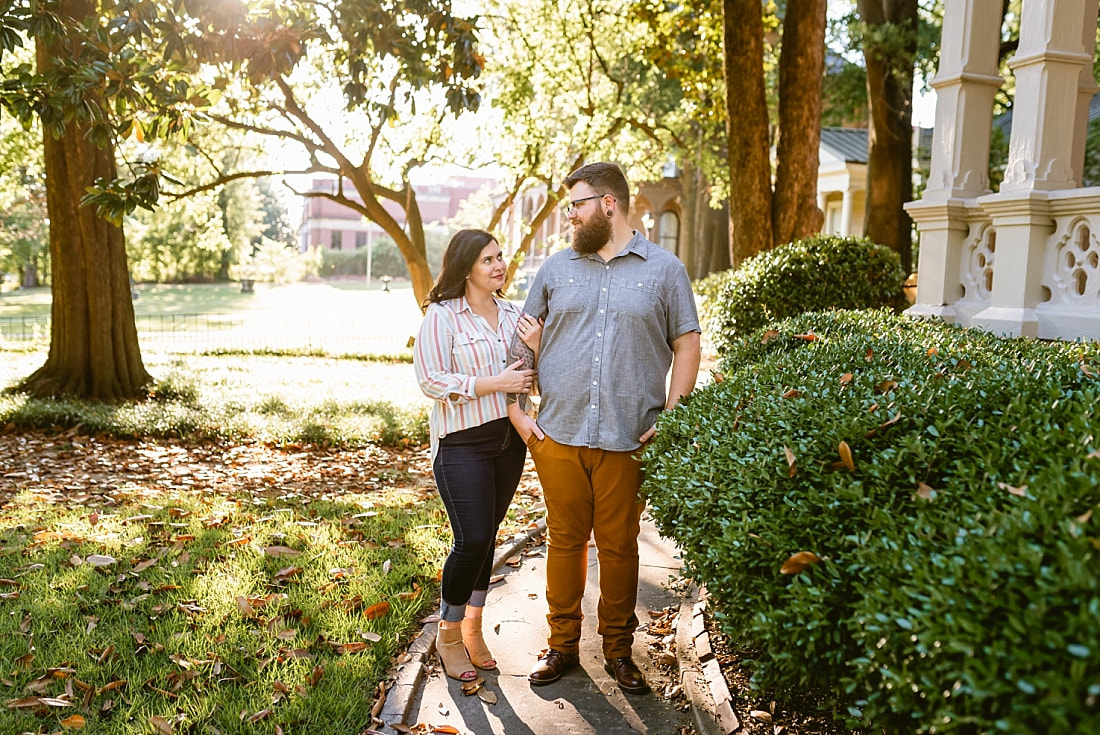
point(477, 598)
point(451, 613)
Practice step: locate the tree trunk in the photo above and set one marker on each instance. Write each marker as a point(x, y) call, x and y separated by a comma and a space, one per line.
point(747, 129)
point(30, 275)
point(795, 213)
point(889, 97)
point(94, 349)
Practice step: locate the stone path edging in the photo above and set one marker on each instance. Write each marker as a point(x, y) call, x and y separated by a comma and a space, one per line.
point(710, 701)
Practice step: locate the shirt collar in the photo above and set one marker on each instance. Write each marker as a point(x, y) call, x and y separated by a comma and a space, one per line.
point(637, 245)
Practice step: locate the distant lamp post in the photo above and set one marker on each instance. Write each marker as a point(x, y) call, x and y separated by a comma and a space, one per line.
point(647, 223)
point(385, 283)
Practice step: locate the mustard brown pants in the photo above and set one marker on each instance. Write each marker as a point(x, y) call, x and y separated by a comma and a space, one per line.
point(590, 492)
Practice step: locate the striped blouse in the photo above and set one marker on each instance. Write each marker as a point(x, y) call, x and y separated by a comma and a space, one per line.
point(454, 347)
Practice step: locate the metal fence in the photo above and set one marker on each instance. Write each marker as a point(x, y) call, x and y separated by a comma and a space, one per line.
point(188, 333)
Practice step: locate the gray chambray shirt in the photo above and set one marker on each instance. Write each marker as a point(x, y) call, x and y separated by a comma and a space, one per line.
point(606, 344)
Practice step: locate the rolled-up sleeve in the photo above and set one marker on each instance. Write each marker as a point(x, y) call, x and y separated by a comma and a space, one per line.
point(433, 361)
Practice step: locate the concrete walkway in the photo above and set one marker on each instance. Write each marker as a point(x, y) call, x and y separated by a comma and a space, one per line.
point(586, 700)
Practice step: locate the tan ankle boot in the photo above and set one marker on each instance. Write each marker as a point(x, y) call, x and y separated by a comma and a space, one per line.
point(475, 644)
point(452, 654)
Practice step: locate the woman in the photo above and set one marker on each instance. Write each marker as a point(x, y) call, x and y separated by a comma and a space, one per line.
point(477, 457)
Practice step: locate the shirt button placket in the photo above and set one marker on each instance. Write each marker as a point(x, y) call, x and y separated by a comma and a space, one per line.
point(602, 303)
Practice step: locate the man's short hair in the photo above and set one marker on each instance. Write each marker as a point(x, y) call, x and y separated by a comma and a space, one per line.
point(605, 178)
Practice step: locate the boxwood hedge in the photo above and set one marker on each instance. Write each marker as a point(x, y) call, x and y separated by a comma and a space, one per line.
point(949, 483)
point(818, 273)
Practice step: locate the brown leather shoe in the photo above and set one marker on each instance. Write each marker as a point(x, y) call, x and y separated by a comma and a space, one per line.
point(552, 664)
point(626, 674)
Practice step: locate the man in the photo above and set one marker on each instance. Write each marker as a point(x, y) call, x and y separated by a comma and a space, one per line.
point(618, 312)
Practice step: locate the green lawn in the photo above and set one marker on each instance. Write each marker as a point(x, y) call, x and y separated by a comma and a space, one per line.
point(220, 298)
point(246, 553)
point(343, 317)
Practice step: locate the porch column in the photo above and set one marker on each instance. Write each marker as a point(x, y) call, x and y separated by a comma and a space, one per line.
point(965, 84)
point(846, 213)
point(1086, 88)
point(1053, 53)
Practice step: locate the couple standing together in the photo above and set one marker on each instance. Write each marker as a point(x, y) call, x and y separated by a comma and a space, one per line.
point(604, 320)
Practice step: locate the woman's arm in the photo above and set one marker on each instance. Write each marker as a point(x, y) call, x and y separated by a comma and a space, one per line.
point(432, 359)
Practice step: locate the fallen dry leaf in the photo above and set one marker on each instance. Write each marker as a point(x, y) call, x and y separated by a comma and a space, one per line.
point(100, 560)
point(162, 725)
point(799, 562)
point(792, 467)
point(377, 610)
point(74, 722)
point(925, 492)
point(261, 715)
point(471, 687)
point(1017, 491)
point(486, 696)
point(277, 551)
point(846, 456)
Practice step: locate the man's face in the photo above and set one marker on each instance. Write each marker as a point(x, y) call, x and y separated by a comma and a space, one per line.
point(591, 225)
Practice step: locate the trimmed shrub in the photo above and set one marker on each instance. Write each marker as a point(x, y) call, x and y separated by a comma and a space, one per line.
point(949, 483)
point(815, 274)
point(708, 294)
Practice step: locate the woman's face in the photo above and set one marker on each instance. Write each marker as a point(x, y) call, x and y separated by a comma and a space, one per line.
point(487, 275)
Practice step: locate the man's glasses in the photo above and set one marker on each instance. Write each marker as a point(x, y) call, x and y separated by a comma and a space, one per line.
point(571, 207)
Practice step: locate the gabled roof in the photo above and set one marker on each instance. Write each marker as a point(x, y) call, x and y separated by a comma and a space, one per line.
point(847, 144)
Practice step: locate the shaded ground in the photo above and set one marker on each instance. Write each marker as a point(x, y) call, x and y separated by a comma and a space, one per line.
point(792, 713)
point(73, 468)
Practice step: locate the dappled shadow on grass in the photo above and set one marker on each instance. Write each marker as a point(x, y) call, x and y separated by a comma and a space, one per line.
point(232, 585)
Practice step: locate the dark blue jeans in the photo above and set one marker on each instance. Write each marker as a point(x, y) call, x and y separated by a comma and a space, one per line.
point(477, 471)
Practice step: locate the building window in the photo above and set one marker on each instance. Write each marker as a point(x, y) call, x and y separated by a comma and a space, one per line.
point(669, 231)
point(360, 240)
point(336, 240)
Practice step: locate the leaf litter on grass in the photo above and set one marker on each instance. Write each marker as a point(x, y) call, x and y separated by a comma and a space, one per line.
point(154, 521)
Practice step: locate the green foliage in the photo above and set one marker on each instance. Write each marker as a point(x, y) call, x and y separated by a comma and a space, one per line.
point(821, 272)
point(276, 262)
point(386, 259)
point(957, 589)
point(24, 231)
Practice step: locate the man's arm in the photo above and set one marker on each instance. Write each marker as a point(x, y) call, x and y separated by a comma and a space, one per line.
point(686, 355)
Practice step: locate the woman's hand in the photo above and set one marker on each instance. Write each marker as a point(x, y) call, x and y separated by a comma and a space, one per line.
point(516, 379)
point(530, 331)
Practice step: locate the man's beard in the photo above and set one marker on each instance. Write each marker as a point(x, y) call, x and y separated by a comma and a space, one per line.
point(592, 235)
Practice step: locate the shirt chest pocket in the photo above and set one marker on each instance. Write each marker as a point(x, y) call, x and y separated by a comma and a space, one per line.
point(635, 298)
point(471, 351)
point(570, 294)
